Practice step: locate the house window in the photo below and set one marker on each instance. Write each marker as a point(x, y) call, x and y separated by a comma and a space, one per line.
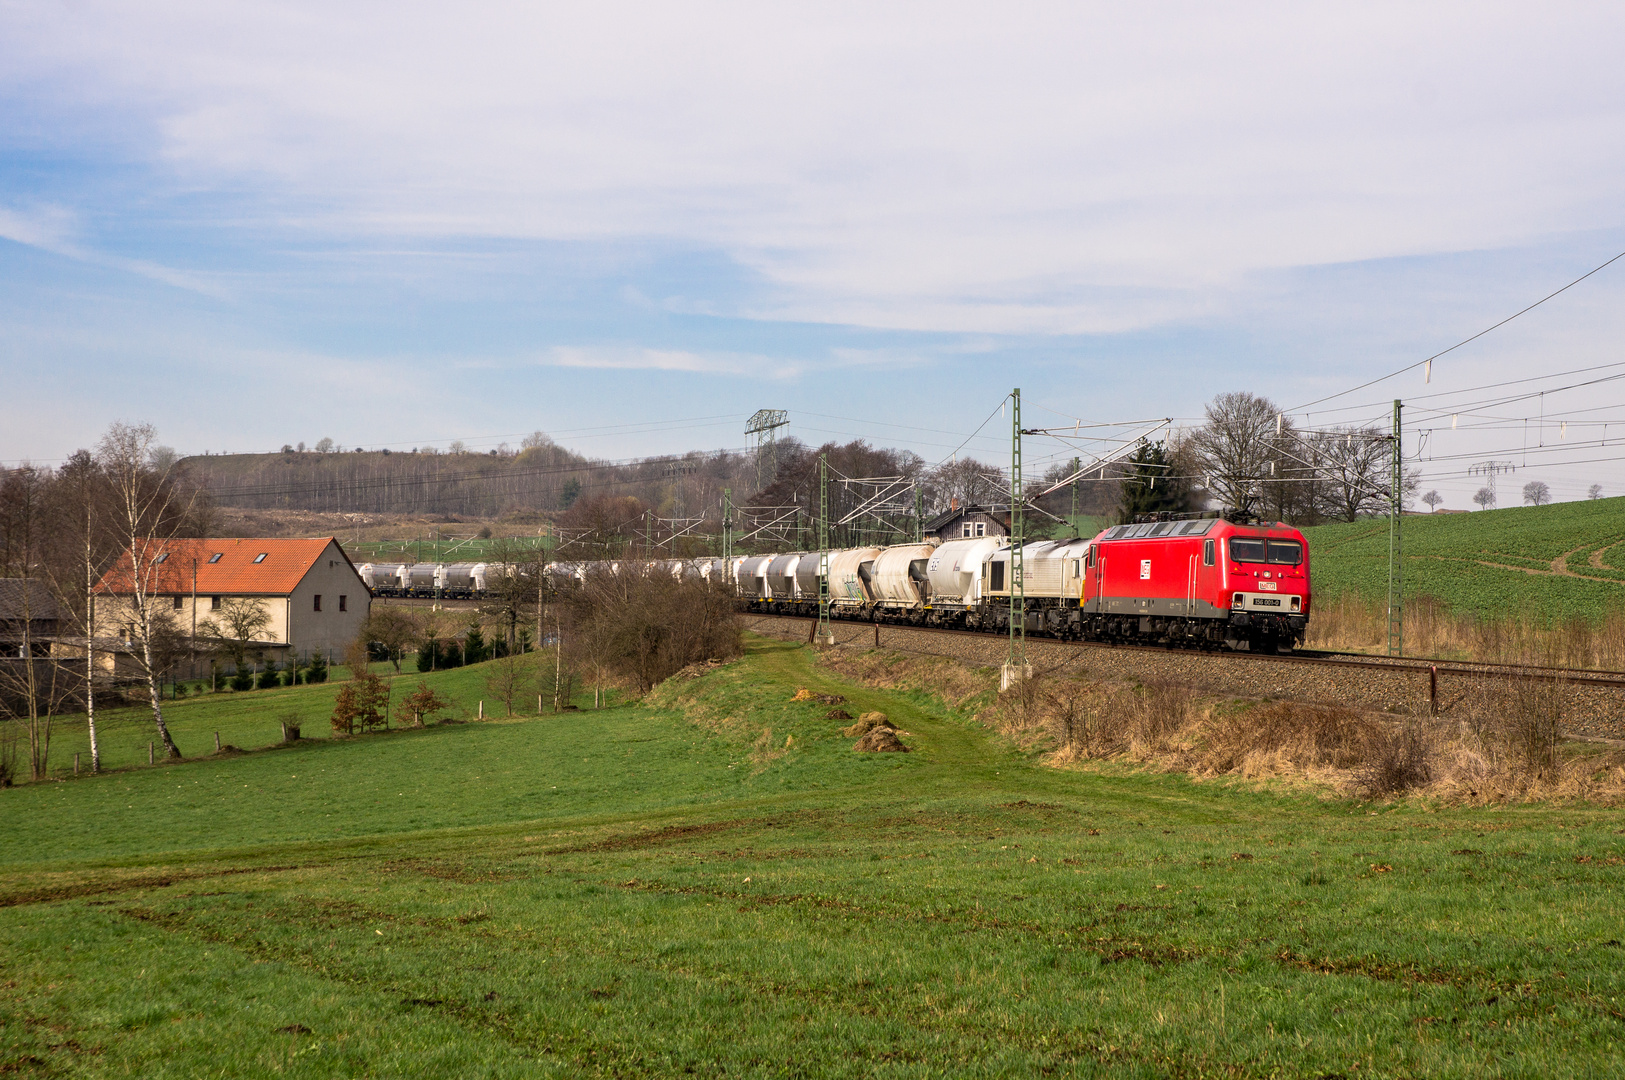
point(160, 558)
point(177, 603)
point(261, 556)
point(344, 602)
point(214, 603)
point(965, 530)
point(318, 601)
point(981, 528)
point(216, 557)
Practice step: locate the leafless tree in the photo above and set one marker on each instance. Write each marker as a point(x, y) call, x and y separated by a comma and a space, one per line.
point(1433, 499)
point(1594, 491)
point(965, 481)
point(234, 627)
point(1235, 446)
point(511, 596)
point(504, 679)
point(151, 513)
point(83, 514)
point(393, 628)
point(1355, 463)
point(1537, 493)
point(647, 626)
point(1484, 497)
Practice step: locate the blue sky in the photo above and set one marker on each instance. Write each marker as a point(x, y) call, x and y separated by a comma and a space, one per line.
point(632, 225)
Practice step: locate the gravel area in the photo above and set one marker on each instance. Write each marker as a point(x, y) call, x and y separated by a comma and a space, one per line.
point(1591, 711)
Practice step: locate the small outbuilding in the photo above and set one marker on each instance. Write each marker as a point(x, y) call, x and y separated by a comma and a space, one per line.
point(969, 521)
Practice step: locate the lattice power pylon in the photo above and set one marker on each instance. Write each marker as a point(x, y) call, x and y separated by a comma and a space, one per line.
point(763, 427)
point(1491, 469)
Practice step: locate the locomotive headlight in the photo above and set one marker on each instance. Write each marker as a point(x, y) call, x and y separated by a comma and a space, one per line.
point(1237, 601)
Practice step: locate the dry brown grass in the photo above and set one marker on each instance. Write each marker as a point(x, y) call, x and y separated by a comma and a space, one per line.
point(957, 684)
point(1431, 629)
point(1510, 749)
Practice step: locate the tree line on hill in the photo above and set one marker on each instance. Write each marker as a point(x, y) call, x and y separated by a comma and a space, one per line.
point(1246, 455)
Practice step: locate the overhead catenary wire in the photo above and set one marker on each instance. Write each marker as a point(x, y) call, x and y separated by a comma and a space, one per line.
point(1464, 341)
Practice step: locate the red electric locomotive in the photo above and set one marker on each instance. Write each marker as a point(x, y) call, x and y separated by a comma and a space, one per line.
point(1206, 581)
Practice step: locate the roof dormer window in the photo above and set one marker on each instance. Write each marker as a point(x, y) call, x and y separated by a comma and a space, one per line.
point(261, 556)
point(215, 557)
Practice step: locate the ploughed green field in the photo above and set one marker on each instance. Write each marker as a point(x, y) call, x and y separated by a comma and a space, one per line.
point(735, 892)
point(1564, 560)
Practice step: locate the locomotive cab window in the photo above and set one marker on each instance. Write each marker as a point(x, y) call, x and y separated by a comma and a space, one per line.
point(1245, 550)
point(1258, 550)
point(1091, 557)
point(1207, 553)
point(1286, 552)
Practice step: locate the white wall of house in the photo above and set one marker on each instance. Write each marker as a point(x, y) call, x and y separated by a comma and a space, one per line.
point(345, 604)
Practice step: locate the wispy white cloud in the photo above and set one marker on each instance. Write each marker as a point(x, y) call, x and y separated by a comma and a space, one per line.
point(632, 358)
point(49, 227)
point(57, 229)
point(1054, 168)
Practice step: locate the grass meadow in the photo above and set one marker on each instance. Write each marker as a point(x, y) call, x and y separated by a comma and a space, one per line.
point(712, 883)
point(1488, 563)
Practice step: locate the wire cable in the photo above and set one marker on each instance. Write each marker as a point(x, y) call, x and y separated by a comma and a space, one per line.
point(1464, 341)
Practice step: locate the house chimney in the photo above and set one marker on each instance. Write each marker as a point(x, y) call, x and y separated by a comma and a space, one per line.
point(953, 503)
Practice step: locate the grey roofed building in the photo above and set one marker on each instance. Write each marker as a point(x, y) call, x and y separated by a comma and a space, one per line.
point(28, 611)
point(970, 520)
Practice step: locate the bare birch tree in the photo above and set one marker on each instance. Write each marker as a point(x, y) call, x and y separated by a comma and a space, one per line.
point(149, 516)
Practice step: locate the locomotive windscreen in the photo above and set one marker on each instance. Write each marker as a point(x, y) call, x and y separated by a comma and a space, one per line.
point(1286, 552)
point(1281, 552)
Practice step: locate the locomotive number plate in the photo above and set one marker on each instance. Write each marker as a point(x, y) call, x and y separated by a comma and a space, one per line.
point(1268, 586)
point(1266, 601)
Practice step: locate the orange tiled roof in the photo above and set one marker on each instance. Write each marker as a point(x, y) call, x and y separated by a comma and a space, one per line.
point(235, 572)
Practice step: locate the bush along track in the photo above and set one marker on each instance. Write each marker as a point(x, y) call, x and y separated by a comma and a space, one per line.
point(963, 909)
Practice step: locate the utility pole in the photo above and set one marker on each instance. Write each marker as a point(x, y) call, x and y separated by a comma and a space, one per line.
point(919, 514)
point(1015, 664)
point(727, 534)
point(1396, 570)
point(1076, 465)
point(822, 633)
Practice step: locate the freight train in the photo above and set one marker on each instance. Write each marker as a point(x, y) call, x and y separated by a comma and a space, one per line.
point(1207, 582)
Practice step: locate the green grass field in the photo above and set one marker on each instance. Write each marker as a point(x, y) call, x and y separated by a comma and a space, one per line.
point(253, 718)
point(731, 891)
point(1490, 563)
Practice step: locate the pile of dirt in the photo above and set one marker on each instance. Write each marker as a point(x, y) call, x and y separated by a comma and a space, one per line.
point(866, 723)
point(881, 740)
point(803, 694)
point(837, 714)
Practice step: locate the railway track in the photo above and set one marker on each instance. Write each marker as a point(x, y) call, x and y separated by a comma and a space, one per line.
point(1421, 666)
